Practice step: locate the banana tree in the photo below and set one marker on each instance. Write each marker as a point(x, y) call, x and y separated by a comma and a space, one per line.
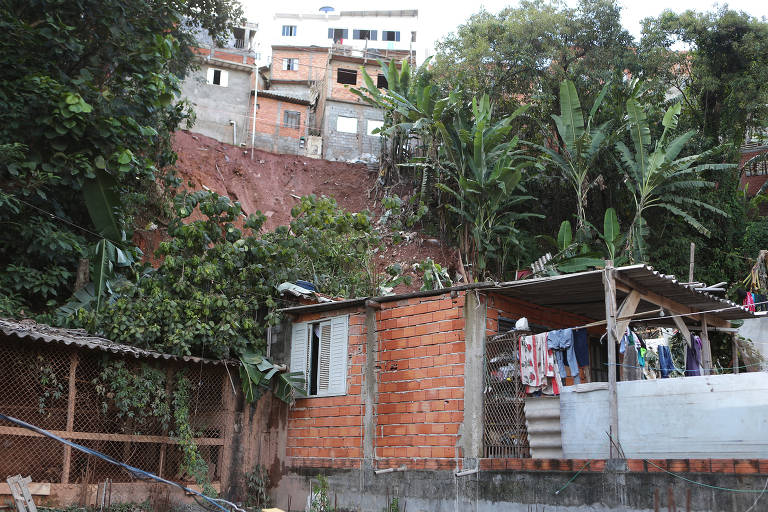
point(485, 170)
point(657, 178)
point(579, 144)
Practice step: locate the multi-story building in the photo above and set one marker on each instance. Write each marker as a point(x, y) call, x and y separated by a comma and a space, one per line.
point(315, 58)
point(303, 101)
point(221, 89)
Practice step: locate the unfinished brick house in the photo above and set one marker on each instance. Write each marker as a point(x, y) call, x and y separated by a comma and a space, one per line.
point(405, 399)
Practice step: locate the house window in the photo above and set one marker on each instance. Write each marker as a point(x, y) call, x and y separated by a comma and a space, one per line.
point(373, 125)
point(381, 82)
point(239, 35)
point(363, 35)
point(346, 124)
point(338, 34)
point(257, 56)
point(390, 35)
point(346, 76)
point(290, 64)
point(319, 351)
point(217, 77)
point(413, 36)
point(289, 30)
point(291, 119)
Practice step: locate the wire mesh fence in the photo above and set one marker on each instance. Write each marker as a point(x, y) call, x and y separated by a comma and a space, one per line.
point(504, 430)
point(86, 396)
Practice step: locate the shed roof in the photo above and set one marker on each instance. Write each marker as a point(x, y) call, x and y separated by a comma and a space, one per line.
point(580, 293)
point(80, 338)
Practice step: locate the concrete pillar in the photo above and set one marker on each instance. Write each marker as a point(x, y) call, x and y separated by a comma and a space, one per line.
point(471, 439)
point(370, 388)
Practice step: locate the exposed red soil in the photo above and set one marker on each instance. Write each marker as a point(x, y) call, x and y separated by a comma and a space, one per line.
point(271, 183)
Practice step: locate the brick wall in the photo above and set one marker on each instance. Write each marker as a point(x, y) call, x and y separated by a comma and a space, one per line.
point(421, 382)
point(328, 431)
point(341, 91)
point(311, 64)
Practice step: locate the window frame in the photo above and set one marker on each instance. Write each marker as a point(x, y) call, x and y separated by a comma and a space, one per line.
point(348, 74)
point(378, 124)
point(291, 30)
point(395, 35)
point(290, 64)
point(358, 34)
point(211, 77)
point(335, 355)
point(286, 113)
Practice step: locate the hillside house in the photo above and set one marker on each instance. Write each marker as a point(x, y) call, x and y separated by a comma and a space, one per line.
point(414, 396)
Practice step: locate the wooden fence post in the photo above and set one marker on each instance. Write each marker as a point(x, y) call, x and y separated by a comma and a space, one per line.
point(609, 285)
point(73, 360)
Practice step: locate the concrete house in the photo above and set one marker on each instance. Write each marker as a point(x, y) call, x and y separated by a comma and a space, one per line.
point(413, 396)
point(221, 89)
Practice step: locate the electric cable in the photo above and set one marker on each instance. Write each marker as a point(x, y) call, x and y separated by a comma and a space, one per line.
point(136, 472)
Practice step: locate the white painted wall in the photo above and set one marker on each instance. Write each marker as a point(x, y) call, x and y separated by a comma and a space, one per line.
point(312, 29)
point(716, 416)
point(756, 330)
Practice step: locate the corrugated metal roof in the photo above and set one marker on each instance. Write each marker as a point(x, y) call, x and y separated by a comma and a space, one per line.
point(580, 293)
point(80, 338)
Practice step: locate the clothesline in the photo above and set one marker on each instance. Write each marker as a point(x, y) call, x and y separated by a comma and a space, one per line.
point(663, 317)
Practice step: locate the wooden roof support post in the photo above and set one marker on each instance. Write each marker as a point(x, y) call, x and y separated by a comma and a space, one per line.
point(73, 360)
point(706, 349)
point(609, 285)
point(735, 348)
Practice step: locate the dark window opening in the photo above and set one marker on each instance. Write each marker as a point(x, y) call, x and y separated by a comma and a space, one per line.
point(381, 82)
point(338, 34)
point(346, 76)
point(239, 35)
point(291, 119)
point(216, 77)
point(369, 35)
point(314, 361)
point(390, 35)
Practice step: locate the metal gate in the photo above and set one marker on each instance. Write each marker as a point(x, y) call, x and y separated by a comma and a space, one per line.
point(504, 431)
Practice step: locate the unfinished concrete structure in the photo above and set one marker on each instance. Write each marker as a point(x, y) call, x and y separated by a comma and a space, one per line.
point(402, 401)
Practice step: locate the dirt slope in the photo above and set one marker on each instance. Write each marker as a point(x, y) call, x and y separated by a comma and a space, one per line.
point(271, 183)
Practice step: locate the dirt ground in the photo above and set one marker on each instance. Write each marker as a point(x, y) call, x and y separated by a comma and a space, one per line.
point(272, 183)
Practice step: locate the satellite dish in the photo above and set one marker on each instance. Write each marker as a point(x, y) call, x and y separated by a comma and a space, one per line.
point(326, 9)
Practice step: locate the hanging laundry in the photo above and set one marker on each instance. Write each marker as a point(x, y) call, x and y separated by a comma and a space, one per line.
point(666, 366)
point(538, 368)
point(561, 342)
point(581, 346)
point(749, 302)
point(693, 357)
point(632, 370)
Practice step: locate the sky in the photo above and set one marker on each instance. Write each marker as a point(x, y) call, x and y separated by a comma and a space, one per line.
point(438, 18)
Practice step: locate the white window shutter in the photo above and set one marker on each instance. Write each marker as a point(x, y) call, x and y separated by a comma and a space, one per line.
point(285, 64)
point(224, 78)
point(299, 349)
point(324, 360)
point(210, 75)
point(338, 356)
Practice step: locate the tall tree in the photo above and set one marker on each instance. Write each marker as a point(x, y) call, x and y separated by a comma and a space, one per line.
point(88, 107)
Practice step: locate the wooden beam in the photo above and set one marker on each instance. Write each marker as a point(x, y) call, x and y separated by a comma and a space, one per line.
point(627, 285)
point(628, 308)
point(686, 337)
point(66, 464)
point(706, 349)
point(97, 436)
point(690, 267)
point(735, 351)
point(35, 488)
point(609, 287)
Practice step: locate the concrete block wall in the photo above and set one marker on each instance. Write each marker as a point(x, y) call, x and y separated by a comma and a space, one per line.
point(420, 402)
point(349, 146)
point(328, 431)
point(216, 106)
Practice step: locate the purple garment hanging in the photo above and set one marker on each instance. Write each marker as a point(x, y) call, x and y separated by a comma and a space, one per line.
point(693, 357)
